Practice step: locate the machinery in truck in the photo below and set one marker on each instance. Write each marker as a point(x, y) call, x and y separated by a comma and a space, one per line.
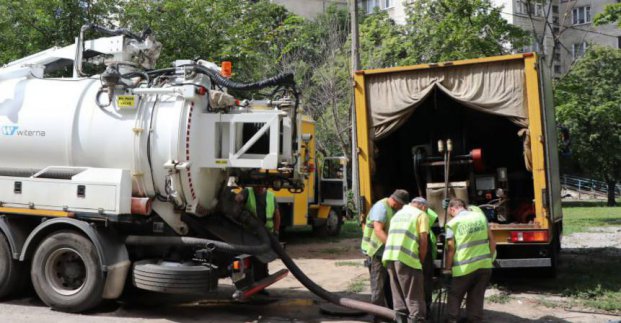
point(498, 114)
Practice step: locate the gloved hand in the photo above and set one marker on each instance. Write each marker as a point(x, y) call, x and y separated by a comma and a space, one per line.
point(445, 203)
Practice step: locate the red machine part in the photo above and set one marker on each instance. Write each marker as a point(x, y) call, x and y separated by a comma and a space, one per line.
point(477, 160)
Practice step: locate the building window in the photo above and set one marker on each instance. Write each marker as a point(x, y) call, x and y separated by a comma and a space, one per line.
point(619, 40)
point(557, 69)
point(534, 9)
point(371, 5)
point(555, 20)
point(555, 30)
point(578, 49)
point(557, 56)
point(581, 15)
point(388, 4)
point(554, 9)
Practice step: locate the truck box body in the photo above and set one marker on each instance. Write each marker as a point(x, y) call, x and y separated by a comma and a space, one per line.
point(497, 111)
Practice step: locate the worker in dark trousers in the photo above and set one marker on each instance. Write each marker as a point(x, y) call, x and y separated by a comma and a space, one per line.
point(404, 254)
point(373, 239)
point(470, 250)
point(432, 250)
point(261, 203)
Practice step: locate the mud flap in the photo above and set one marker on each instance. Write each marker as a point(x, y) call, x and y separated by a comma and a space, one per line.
point(241, 295)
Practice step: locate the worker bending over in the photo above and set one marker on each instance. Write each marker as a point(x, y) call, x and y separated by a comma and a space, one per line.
point(404, 254)
point(470, 246)
point(432, 250)
point(373, 240)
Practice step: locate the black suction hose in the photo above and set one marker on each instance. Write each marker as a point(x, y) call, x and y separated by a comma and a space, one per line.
point(321, 292)
point(196, 242)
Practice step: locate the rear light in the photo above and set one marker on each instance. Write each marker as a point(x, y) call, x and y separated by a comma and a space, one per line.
point(226, 69)
point(242, 264)
point(529, 236)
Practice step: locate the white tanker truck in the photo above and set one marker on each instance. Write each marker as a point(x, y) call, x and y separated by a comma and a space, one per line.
point(127, 174)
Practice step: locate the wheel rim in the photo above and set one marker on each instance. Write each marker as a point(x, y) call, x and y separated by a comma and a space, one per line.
point(332, 222)
point(65, 271)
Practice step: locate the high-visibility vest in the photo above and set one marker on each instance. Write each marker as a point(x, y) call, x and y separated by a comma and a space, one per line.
point(403, 240)
point(472, 250)
point(370, 242)
point(270, 206)
point(433, 217)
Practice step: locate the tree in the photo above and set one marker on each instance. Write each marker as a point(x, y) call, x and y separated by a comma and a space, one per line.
point(589, 105)
point(27, 27)
point(444, 30)
point(611, 14)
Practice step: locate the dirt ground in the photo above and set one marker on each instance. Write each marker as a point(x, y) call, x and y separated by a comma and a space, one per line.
point(337, 267)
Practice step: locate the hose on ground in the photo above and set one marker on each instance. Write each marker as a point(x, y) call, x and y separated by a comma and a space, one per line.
point(321, 292)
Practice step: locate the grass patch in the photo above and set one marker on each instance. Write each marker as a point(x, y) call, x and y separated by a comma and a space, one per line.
point(356, 285)
point(349, 264)
point(590, 279)
point(500, 298)
point(350, 229)
point(579, 219)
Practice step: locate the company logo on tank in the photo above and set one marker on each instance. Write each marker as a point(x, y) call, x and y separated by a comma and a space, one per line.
point(14, 130)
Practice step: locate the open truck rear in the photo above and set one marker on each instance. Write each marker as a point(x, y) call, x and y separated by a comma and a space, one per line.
point(498, 114)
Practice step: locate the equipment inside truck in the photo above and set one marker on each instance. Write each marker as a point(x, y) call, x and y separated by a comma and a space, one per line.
point(487, 167)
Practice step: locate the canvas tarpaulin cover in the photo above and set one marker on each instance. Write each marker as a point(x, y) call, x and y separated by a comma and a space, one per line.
point(497, 88)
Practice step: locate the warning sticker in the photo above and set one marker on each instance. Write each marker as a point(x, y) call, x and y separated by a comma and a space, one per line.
point(222, 161)
point(126, 101)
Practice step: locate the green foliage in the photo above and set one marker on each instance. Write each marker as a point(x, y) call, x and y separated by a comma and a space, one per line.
point(27, 27)
point(580, 219)
point(444, 30)
point(381, 41)
point(587, 101)
point(250, 34)
point(611, 15)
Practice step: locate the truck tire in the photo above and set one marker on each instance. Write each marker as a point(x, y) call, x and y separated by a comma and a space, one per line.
point(173, 277)
point(12, 276)
point(555, 253)
point(66, 272)
point(331, 227)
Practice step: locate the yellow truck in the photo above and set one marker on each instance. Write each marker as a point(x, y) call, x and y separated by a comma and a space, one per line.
point(498, 114)
point(322, 203)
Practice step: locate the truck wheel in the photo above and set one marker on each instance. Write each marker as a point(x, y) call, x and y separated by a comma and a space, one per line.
point(173, 277)
point(332, 226)
point(66, 272)
point(555, 248)
point(12, 277)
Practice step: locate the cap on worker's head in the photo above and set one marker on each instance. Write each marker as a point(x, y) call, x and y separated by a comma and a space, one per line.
point(401, 196)
point(420, 200)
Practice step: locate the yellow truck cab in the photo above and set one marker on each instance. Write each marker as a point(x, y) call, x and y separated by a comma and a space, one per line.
point(498, 114)
point(322, 203)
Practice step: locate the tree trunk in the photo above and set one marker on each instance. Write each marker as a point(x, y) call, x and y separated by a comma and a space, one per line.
point(611, 192)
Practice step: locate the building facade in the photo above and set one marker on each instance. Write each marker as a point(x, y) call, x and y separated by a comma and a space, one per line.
point(309, 8)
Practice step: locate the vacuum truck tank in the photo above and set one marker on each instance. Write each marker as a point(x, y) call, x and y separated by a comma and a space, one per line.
point(132, 154)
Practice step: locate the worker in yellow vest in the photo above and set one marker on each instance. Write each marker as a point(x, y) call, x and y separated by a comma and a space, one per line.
point(261, 203)
point(432, 250)
point(373, 240)
point(470, 250)
point(404, 254)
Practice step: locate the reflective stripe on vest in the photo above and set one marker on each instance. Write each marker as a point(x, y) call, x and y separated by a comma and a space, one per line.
point(472, 250)
point(402, 243)
point(370, 242)
point(270, 206)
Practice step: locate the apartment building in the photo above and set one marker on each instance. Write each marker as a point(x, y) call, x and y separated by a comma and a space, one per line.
point(309, 8)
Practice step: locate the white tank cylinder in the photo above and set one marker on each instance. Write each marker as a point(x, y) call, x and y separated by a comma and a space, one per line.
point(56, 122)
